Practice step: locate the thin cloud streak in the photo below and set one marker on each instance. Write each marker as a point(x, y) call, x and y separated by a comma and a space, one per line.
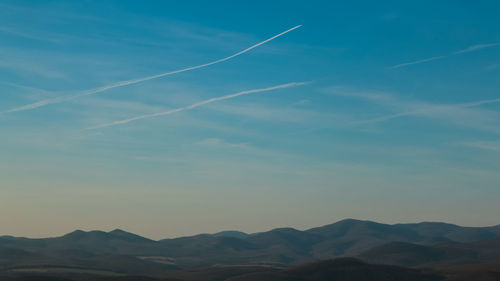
point(198, 104)
point(462, 114)
point(417, 62)
point(485, 145)
point(139, 80)
point(476, 48)
point(430, 109)
point(459, 52)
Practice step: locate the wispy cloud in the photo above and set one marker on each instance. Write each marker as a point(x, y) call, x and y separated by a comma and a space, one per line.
point(214, 142)
point(31, 67)
point(198, 104)
point(463, 51)
point(485, 145)
point(20, 33)
point(276, 113)
point(139, 80)
point(492, 67)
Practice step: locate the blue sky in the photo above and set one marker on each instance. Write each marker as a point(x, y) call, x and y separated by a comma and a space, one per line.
point(400, 121)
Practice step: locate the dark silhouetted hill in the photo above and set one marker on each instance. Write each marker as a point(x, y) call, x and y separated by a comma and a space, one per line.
point(408, 254)
point(345, 269)
point(471, 272)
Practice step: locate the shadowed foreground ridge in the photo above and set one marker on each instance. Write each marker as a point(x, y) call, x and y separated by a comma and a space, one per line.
point(345, 269)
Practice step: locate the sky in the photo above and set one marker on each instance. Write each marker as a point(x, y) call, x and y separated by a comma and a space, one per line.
point(387, 111)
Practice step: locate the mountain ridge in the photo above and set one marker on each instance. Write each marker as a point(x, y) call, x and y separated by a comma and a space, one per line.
point(494, 228)
point(279, 246)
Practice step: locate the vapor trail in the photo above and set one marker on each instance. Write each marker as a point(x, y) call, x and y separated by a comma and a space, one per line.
point(459, 52)
point(430, 109)
point(417, 62)
point(135, 81)
point(194, 105)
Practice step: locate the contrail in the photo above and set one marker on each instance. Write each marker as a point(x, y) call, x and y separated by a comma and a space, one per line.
point(430, 109)
point(194, 105)
point(466, 50)
point(139, 80)
point(417, 62)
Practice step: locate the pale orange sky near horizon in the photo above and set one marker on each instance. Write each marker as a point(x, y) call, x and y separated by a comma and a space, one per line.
point(157, 214)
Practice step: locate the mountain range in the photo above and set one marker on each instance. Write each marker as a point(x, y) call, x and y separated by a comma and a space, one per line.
point(415, 244)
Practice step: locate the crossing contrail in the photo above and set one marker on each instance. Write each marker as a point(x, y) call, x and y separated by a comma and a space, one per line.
point(194, 105)
point(139, 80)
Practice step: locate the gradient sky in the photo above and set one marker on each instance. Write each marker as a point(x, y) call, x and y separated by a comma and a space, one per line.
point(400, 123)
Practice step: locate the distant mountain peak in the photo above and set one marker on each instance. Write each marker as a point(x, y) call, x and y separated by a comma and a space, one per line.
point(231, 233)
point(77, 232)
point(82, 235)
point(119, 231)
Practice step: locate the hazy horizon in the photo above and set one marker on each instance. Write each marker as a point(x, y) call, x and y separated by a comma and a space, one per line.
point(171, 119)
